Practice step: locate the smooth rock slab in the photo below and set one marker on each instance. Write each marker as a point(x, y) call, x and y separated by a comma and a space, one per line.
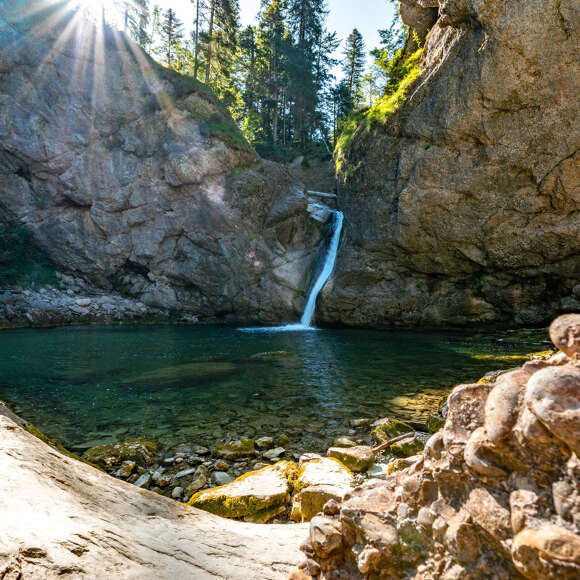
point(256, 496)
point(59, 514)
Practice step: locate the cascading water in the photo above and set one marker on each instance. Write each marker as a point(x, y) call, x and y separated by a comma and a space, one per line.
point(328, 267)
point(336, 227)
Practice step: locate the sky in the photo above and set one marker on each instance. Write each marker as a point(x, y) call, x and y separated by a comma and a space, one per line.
point(366, 15)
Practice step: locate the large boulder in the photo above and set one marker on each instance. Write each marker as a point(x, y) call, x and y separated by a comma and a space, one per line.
point(256, 496)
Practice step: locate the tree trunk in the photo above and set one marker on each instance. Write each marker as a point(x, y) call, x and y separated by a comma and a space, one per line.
point(210, 42)
point(196, 41)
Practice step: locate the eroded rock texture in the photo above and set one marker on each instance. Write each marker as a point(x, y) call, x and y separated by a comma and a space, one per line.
point(135, 179)
point(464, 205)
point(64, 519)
point(496, 495)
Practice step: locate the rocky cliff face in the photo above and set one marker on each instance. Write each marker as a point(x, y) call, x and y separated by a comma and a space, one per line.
point(136, 180)
point(463, 206)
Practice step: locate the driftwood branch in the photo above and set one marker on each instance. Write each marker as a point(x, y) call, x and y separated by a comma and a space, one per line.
point(388, 443)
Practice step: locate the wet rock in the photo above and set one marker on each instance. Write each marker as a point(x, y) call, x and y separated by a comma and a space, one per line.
point(434, 423)
point(221, 465)
point(343, 442)
point(200, 450)
point(141, 451)
point(265, 442)
point(387, 428)
point(235, 449)
point(126, 469)
point(177, 492)
point(257, 496)
point(275, 453)
point(143, 480)
point(221, 477)
point(549, 552)
point(358, 458)
point(407, 447)
point(200, 478)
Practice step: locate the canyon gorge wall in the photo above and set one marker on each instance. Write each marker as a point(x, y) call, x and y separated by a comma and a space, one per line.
point(135, 179)
point(463, 206)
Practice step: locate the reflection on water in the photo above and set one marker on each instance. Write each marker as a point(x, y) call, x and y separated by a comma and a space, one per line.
point(91, 385)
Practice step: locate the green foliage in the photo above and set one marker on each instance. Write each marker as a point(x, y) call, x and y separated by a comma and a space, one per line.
point(225, 129)
point(21, 261)
point(404, 73)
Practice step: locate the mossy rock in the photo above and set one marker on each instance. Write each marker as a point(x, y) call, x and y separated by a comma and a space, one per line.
point(257, 496)
point(142, 451)
point(56, 445)
point(385, 429)
point(359, 458)
point(434, 423)
point(407, 447)
point(235, 449)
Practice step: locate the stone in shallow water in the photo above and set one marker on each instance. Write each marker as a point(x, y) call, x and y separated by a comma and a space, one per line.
point(265, 442)
point(358, 458)
point(235, 449)
point(274, 453)
point(387, 428)
point(343, 442)
point(256, 496)
point(221, 477)
point(141, 451)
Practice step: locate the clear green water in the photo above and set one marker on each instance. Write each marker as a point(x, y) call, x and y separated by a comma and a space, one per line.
point(92, 385)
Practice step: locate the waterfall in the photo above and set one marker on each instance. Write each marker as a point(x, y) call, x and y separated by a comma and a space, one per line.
point(329, 260)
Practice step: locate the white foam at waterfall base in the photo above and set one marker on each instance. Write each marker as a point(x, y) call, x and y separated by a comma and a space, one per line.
point(305, 323)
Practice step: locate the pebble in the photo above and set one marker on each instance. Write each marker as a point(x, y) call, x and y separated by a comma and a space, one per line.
point(144, 480)
point(221, 477)
point(265, 442)
point(221, 465)
point(184, 473)
point(177, 492)
point(274, 453)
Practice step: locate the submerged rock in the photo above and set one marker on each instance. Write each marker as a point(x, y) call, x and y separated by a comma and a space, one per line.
point(257, 496)
point(236, 449)
point(141, 451)
point(388, 428)
point(186, 372)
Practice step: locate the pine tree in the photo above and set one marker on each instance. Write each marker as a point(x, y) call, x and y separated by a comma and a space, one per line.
point(353, 64)
point(200, 8)
point(171, 31)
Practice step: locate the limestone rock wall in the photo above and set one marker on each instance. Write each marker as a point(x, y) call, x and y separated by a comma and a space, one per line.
point(136, 179)
point(464, 205)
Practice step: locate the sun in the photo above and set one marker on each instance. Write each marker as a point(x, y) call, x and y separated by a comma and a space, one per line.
point(97, 9)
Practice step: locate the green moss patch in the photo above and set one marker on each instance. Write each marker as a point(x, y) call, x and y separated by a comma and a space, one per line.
point(403, 73)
